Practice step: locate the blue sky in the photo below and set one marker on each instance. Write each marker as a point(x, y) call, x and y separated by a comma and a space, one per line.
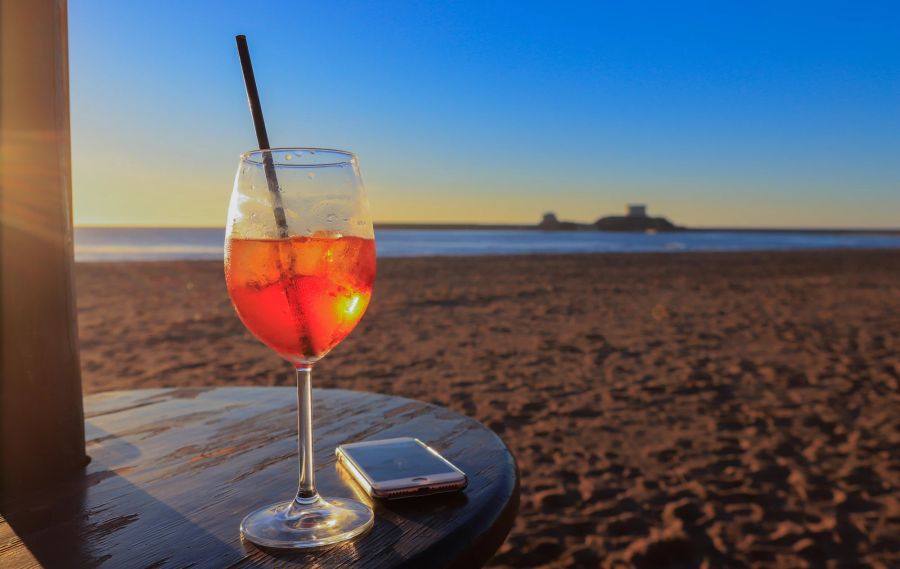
point(713, 113)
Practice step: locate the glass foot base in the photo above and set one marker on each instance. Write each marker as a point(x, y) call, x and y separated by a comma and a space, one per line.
point(293, 525)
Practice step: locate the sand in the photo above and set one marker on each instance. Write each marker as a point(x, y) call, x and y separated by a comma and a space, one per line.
point(666, 410)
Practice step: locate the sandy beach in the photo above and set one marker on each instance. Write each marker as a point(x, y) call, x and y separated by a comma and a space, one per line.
point(666, 410)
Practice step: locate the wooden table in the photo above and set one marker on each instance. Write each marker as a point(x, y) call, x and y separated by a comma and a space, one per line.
point(173, 472)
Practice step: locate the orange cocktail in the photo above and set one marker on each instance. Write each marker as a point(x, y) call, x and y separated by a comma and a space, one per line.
point(300, 296)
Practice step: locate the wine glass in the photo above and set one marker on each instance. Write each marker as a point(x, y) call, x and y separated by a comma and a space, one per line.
point(299, 266)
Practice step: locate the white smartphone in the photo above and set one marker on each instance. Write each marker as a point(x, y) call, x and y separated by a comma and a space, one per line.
point(399, 468)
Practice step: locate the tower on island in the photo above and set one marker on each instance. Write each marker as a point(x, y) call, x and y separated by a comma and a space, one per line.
point(636, 210)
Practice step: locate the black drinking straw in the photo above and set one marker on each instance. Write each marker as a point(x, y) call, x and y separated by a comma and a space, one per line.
point(261, 136)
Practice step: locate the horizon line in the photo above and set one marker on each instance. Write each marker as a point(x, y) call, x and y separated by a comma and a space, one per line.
point(475, 225)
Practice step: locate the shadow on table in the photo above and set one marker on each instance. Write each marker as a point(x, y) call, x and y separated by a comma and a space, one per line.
point(99, 516)
point(468, 545)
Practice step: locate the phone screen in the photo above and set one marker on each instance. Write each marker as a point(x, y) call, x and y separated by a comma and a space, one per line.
point(393, 460)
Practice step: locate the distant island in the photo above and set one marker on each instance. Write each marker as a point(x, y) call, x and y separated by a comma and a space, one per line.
point(635, 219)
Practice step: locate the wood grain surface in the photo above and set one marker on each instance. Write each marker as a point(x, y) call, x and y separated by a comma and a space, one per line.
point(173, 472)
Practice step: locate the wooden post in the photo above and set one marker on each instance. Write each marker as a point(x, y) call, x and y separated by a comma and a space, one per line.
point(41, 416)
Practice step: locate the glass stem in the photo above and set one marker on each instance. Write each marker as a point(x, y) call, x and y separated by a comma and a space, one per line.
point(306, 494)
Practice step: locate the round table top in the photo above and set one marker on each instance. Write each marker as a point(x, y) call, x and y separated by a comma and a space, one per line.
point(174, 471)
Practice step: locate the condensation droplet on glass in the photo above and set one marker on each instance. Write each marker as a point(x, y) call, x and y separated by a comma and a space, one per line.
point(346, 219)
point(311, 175)
point(253, 215)
point(288, 156)
point(330, 218)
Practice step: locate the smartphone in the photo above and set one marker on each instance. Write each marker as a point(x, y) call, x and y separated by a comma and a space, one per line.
point(399, 468)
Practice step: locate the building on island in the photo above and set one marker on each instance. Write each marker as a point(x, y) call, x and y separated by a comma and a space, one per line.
point(636, 210)
point(635, 219)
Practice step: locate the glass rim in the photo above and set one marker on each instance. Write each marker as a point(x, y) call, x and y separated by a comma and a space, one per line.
point(349, 157)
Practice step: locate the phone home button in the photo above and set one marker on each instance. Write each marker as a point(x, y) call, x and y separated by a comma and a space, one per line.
point(420, 479)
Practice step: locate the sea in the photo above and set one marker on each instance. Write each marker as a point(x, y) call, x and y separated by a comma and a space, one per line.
point(161, 244)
